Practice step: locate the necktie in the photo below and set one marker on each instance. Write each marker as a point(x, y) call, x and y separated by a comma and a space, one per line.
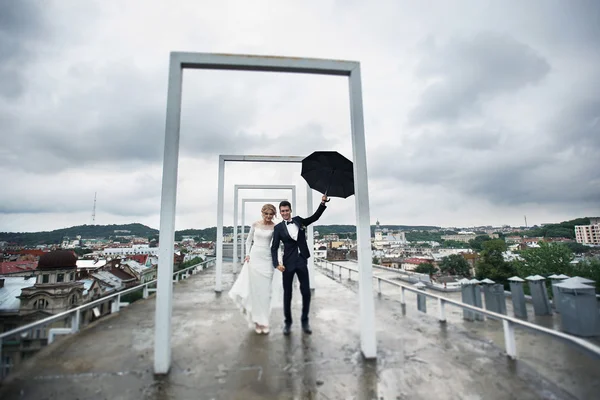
point(289, 222)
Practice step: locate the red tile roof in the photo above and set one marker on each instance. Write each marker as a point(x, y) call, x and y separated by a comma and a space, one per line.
point(415, 261)
point(11, 267)
point(140, 258)
point(122, 275)
point(36, 253)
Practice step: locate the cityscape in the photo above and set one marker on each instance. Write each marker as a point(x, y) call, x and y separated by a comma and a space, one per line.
point(438, 162)
point(37, 281)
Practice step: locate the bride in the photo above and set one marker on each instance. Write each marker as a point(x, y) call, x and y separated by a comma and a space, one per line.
point(257, 289)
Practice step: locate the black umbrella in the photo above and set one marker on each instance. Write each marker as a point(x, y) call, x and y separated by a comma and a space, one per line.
point(330, 173)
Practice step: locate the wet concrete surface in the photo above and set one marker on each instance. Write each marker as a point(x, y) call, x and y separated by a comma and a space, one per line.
point(572, 369)
point(215, 356)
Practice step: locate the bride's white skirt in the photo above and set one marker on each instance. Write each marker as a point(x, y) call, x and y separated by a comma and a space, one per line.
point(257, 290)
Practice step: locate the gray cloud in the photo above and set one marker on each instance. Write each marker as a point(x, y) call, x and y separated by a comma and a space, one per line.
point(578, 123)
point(469, 71)
point(117, 123)
point(502, 167)
point(303, 140)
point(126, 192)
point(21, 25)
point(485, 155)
point(472, 113)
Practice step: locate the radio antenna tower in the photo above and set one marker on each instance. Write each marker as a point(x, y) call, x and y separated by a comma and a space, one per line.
point(94, 210)
point(525, 221)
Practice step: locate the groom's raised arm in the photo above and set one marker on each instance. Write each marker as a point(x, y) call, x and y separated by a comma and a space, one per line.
point(317, 214)
point(275, 247)
point(315, 217)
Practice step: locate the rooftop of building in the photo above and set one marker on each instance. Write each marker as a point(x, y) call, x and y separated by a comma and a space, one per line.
point(214, 355)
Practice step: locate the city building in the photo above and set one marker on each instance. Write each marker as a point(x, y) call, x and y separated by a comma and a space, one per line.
point(131, 250)
point(410, 264)
point(588, 234)
point(51, 289)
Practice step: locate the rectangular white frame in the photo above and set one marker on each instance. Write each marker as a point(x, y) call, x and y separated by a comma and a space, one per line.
point(177, 63)
point(254, 200)
point(220, 210)
point(236, 190)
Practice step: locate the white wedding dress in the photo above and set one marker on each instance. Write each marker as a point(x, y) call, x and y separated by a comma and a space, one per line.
point(258, 288)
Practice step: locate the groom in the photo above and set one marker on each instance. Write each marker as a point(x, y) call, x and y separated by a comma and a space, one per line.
point(292, 232)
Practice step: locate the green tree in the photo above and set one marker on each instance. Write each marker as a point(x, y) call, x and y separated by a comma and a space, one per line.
point(477, 243)
point(189, 263)
point(454, 244)
point(375, 260)
point(81, 251)
point(588, 268)
point(578, 248)
point(549, 258)
point(563, 229)
point(426, 268)
point(492, 265)
point(557, 231)
point(455, 264)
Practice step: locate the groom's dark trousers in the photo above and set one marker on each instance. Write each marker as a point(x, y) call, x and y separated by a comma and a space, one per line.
point(295, 261)
point(300, 269)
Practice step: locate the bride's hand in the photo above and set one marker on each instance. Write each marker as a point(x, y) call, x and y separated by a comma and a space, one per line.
point(247, 258)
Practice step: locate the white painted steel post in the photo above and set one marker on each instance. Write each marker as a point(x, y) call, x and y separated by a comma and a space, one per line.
point(181, 60)
point(164, 294)
point(509, 339)
point(235, 229)
point(294, 202)
point(442, 310)
point(244, 201)
point(363, 224)
point(75, 321)
point(310, 237)
point(219, 249)
point(236, 190)
point(243, 237)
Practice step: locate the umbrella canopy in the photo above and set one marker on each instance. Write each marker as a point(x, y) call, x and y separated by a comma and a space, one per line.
point(330, 173)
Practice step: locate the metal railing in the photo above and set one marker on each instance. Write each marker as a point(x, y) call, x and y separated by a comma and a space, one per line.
point(508, 323)
point(75, 313)
point(412, 276)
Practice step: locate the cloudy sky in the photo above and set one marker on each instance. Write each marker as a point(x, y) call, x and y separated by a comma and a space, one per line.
point(476, 112)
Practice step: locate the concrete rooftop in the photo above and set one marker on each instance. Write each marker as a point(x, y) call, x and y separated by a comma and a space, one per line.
point(215, 356)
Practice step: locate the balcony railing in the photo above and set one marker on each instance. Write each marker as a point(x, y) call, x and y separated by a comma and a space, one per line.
point(11, 337)
point(509, 323)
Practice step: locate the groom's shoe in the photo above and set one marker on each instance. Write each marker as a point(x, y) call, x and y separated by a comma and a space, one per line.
point(287, 329)
point(306, 328)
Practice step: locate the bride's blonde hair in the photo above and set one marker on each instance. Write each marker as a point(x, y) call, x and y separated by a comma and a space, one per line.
point(269, 207)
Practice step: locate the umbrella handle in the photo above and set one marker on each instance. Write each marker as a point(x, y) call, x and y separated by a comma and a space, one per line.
point(329, 185)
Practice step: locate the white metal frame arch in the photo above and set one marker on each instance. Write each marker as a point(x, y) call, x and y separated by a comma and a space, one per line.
point(254, 200)
point(236, 190)
point(223, 159)
point(177, 63)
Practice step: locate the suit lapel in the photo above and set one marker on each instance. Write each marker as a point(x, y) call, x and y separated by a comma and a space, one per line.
point(285, 231)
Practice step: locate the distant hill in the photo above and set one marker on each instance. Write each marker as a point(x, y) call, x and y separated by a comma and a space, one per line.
point(85, 231)
point(110, 232)
point(140, 230)
point(562, 229)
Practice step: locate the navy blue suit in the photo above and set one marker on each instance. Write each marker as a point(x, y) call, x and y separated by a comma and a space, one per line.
point(295, 256)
